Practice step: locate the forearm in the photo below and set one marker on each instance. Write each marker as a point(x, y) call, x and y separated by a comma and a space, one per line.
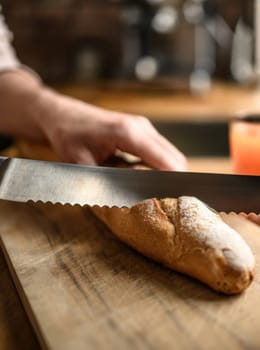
point(19, 94)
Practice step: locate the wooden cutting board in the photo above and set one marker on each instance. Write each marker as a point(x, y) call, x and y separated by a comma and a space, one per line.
point(83, 289)
point(15, 329)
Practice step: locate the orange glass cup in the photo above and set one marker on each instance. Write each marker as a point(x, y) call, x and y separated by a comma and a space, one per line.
point(244, 142)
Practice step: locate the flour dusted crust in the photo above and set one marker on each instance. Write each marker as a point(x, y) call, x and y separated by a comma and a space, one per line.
point(187, 236)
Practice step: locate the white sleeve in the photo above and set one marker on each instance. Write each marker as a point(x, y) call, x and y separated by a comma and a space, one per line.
point(8, 59)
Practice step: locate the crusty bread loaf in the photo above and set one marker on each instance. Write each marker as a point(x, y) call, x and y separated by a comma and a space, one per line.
point(187, 236)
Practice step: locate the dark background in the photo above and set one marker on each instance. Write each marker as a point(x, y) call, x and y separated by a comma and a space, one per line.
point(85, 40)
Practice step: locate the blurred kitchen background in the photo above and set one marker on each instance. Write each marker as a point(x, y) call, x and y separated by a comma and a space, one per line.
point(173, 60)
point(143, 40)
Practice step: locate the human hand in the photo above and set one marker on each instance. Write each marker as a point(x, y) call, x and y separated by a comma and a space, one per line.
point(85, 134)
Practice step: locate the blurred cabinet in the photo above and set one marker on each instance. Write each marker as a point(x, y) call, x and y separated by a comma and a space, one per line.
point(145, 40)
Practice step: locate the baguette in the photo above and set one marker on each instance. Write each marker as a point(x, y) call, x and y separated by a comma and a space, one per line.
point(185, 235)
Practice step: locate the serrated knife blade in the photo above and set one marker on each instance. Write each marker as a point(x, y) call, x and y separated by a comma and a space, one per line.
point(23, 180)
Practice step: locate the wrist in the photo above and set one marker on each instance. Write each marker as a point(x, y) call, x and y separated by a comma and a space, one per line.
point(18, 92)
point(44, 108)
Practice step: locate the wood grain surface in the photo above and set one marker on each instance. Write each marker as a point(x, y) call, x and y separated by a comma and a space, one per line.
point(15, 329)
point(221, 102)
point(83, 289)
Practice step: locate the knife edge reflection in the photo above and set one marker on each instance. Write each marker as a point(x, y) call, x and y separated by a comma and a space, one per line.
point(25, 180)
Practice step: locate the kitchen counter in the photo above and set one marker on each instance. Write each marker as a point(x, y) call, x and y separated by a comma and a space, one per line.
point(221, 103)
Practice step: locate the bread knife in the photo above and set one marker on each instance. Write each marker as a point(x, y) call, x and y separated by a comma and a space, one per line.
point(24, 180)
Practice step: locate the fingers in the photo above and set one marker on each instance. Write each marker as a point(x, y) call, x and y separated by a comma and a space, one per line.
point(175, 160)
point(87, 135)
point(82, 155)
point(136, 135)
point(76, 153)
